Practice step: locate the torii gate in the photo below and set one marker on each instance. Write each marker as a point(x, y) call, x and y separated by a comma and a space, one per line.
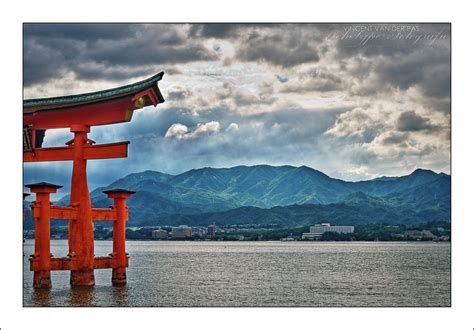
point(79, 113)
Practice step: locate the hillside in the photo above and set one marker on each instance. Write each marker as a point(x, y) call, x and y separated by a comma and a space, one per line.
point(264, 193)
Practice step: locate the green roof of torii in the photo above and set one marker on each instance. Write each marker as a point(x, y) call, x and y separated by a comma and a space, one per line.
point(91, 97)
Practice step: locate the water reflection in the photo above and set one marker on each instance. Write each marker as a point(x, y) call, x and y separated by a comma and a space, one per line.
point(42, 297)
point(82, 296)
point(119, 295)
point(98, 295)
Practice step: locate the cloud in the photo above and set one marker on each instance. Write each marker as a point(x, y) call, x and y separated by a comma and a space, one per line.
point(109, 52)
point(359, 172)
point(41, 62)
point(315, 80)
point(281, 45)
point(214, 30)
point(389, 138)
point(430, 71)
point(410, 121)
point(178, 94)
point(173, 71)
point(242, 97)
point(399, 56)
point(358, 123)
point(202, 129)
point(393, 40)
point(82, 32)
point(400, 147)
point(232, 127)
point(181, 131)
point(178, 130)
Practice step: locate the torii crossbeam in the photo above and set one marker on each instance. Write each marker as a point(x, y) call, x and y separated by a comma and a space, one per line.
point(79, 113)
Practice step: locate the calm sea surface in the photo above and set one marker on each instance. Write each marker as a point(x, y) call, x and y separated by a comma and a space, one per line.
point(259, 274)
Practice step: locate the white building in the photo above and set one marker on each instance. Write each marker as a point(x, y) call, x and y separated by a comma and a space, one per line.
point(316, 231)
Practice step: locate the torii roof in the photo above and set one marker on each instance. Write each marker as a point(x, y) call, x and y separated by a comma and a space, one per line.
point(104, 107)
point(52, 103)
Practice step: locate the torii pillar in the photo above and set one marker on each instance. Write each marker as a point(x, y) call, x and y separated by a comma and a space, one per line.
point(119, 275)
point(42, 274)
point(81, 231)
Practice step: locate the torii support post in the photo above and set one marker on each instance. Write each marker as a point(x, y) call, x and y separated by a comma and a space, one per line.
point(119, 275)
point(42, 277)
point(81, 231)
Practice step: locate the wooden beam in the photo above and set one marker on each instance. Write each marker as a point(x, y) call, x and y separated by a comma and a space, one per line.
point(55, 264)
point(96, 151)
point(69, 263)
point(63, 212)
point(103, 262)
point(104, 214)
point(110, 150)
point(70, 213)
point(48, 154)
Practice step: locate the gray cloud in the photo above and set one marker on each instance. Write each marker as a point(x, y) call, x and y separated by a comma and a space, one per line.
point(173, 71)
point(410, 121)
point(102, 51)
point(391, 40)
point(282, 45)
point(442, 105)
point(41, 63)
point(179, 94)
point(314, 79)
point(429, 70)
point(394, 138)
point(399, 57)
point(82, 32)
point(214, 30)
point(241, 97)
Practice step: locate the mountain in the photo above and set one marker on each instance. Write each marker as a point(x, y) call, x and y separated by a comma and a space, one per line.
point(147, 205)
point(281, 193)
point(431, 200)
point(358, 208)
point(147, 180)
point(386, 185)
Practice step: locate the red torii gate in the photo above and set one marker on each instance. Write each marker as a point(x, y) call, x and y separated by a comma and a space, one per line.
point(79, 113)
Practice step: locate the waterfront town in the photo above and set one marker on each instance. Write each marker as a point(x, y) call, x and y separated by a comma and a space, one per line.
point(431, 231)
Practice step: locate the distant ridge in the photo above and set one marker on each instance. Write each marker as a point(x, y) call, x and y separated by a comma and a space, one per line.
point(422, 195)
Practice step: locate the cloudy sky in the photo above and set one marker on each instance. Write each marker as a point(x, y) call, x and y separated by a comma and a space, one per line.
point(355, 101)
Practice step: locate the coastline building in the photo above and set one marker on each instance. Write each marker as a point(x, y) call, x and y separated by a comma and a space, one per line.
point(181, 232)
point(198, 231)
point(317, 231)
point(420, 234)
point(211, 230)
point(159, 234)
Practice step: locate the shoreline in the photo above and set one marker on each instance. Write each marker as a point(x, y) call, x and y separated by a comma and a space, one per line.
point(248, 241)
